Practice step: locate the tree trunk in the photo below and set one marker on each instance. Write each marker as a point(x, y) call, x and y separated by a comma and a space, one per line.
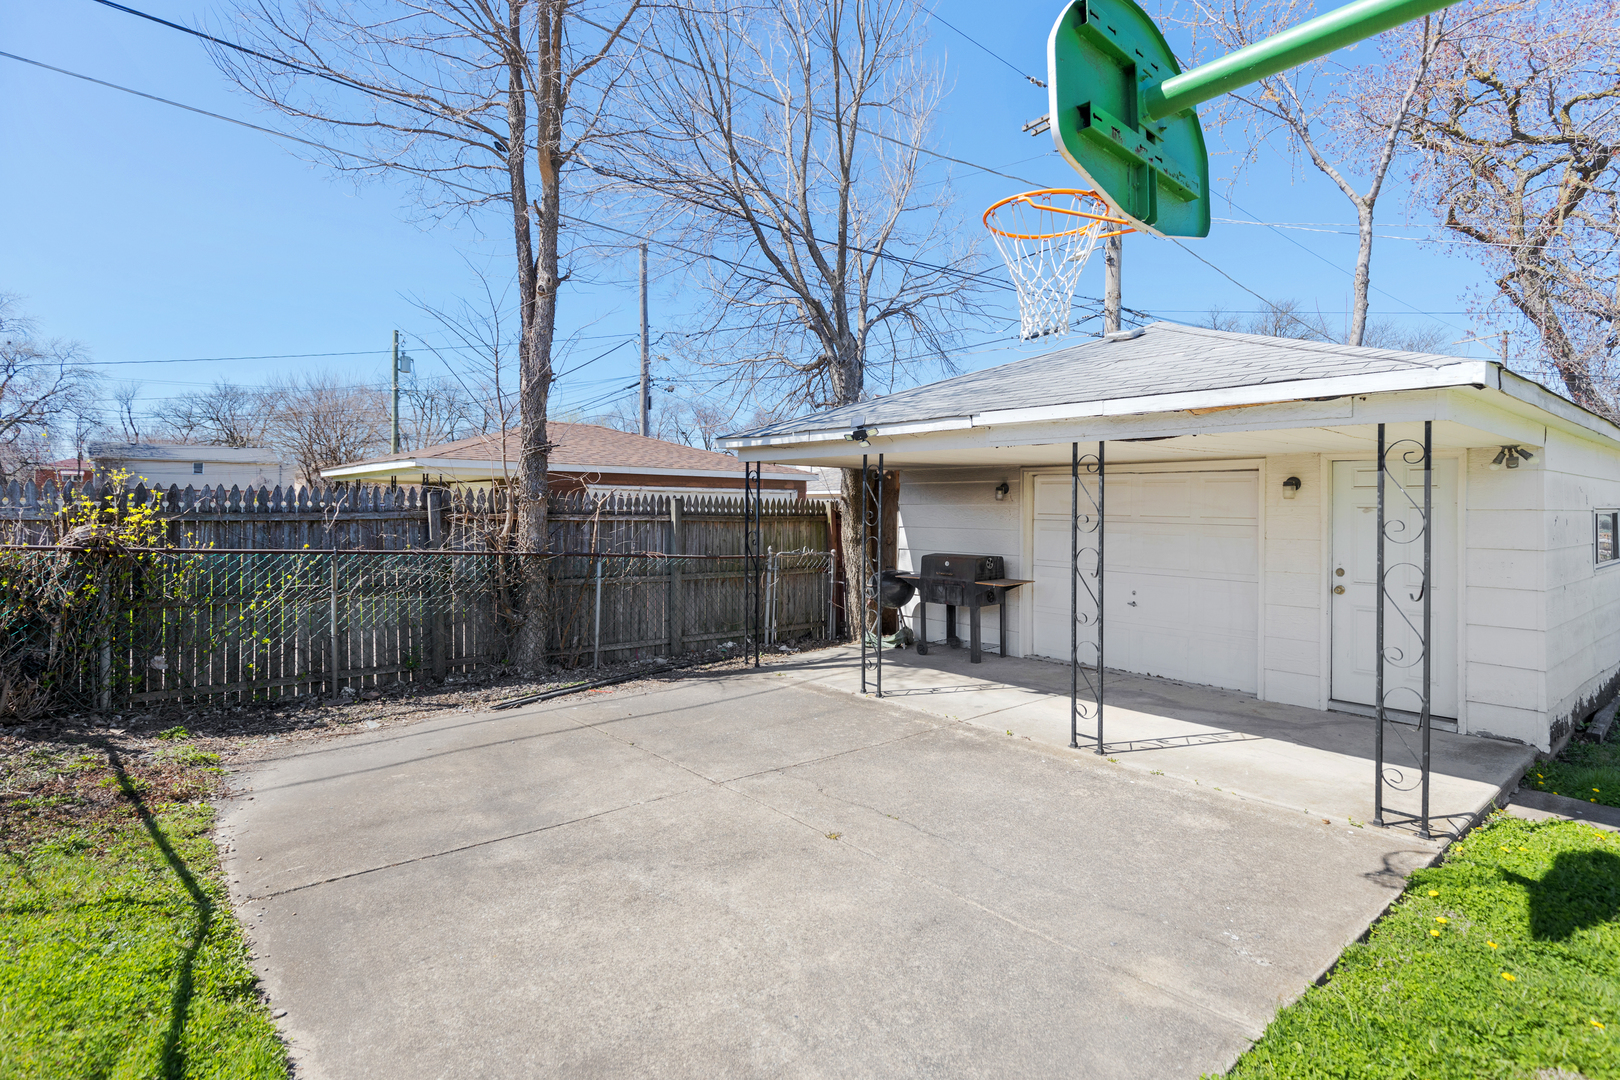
point(1358, 311)
point(859, 565)
point(1533, 300)
point(534, 225)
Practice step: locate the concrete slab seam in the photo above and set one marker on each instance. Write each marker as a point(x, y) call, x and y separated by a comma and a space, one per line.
point(468, 847)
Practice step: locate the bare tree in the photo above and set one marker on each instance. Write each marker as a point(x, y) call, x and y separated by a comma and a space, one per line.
point(1278, 318)
point(784, 136)
point(479, 356)
point(318, 422)
point(1384, 334)
point(43, 382)
point(223, 415)
point(437, 410)
point(1351, 127)
point(124, 399)
point(477, 99)
point(1519, 131)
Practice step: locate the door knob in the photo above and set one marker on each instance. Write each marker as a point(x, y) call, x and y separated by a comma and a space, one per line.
point(1338, 590)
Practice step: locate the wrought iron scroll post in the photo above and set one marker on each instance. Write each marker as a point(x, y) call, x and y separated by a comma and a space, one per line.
point(1428, 603)
point(1378, 642)
point(1091, 522)
point(752, 538)
point(877, 580)
point(860, 587)
point(1388, 655)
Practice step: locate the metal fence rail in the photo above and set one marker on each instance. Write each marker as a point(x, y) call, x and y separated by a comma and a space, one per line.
point(92, 630)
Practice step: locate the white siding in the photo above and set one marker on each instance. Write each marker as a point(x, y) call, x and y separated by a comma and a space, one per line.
point(1504, 570)
point(1293, 571)
point(215, 473)
point(1582, 603)
point(956, 510)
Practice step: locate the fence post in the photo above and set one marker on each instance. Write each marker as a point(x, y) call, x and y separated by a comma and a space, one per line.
point(677, 549)
point(333, 625)
point(104, 689)
point(596, 634)
point(831, 628)
point(435, 531)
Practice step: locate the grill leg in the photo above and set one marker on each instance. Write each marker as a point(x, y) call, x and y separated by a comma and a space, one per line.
point(922, 627)
point(973, 631)
point(952, 639)
point(1001, 628)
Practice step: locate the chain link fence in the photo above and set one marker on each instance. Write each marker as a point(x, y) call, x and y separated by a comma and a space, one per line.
point(107, 629)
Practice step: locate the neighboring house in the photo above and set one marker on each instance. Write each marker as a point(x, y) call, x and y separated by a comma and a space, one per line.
point(66, 471)
point(583, 457)
point(1240, 502)
point(164, 464)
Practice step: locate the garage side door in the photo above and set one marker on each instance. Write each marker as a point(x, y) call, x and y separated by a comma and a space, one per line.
point(1182, 577)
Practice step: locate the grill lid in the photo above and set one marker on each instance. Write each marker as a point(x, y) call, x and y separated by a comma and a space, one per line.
point(957, 567)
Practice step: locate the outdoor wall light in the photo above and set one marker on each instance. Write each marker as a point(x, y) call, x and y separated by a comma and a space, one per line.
point(1291, 487)
point(859, 435)
point(1511, 456)
point(1001, 490)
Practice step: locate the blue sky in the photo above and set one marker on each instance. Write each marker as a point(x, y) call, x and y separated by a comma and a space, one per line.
point(153, 234)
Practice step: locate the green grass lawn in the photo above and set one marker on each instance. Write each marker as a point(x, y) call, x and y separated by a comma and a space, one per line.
point(119, 953)
point(1503, 961)
point(1586, 771)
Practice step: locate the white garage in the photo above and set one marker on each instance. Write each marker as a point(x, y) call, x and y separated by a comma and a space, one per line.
point(1243, 486)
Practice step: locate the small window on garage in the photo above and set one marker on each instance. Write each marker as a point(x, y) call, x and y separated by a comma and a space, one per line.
point(1607, 520)
point(196, 466)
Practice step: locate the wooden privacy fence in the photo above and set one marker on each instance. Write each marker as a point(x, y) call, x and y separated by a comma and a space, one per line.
point(372, 517)
point(98, 630)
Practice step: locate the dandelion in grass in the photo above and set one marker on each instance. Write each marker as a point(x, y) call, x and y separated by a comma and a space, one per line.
point(1434, 892)
point(1597, 1024)
point(1509, 976)
point(1434, 933)
point(1441, 919)
point(1492, 944)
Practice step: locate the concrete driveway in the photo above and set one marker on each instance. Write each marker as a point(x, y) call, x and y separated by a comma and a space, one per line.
point(747, 875)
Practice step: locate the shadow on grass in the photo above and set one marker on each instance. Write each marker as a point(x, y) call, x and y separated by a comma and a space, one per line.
point(1581, 890)
point(173, 1060)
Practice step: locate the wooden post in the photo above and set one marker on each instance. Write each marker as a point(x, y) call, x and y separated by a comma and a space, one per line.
point(677, 548)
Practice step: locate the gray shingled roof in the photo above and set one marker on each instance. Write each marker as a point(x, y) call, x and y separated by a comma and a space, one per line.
point(1167, 358)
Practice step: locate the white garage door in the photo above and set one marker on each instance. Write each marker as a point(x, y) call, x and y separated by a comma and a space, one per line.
point(1183, 596)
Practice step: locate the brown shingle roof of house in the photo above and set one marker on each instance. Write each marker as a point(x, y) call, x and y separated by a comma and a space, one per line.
point(590, 446)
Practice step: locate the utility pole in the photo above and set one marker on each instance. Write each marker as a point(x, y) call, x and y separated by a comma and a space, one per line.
point(1113, 251)
point(646, 358)
point(393, 439)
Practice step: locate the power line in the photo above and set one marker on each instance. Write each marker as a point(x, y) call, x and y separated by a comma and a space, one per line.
point(778, 101)
point(971, 40)
point(969, 274)
point(303, 69)
point(1325, 259)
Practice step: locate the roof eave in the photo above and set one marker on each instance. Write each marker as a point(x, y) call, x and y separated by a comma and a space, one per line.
point(1462, 373)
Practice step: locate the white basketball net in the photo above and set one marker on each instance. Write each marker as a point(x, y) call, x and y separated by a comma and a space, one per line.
point(1045, 238)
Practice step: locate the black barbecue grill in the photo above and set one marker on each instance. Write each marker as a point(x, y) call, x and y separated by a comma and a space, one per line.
point(971, 581)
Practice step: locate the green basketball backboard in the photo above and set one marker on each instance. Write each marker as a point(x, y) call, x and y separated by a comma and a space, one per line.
point(1125, 116)
point(1102, 58)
